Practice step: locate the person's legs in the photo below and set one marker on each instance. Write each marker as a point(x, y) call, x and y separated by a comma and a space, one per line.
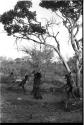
point(39, 94)
point(68, 94)
point(74, 92)
point(35, 92)
point(23, 89)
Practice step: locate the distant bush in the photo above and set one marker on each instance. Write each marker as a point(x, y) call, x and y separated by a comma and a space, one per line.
point(4, 79)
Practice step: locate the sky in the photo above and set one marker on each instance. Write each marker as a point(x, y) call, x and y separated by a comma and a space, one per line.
point(8, 47)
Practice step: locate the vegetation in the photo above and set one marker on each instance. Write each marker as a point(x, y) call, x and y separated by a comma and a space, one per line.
point(22, 23)
point(69, 12)
point(19, 68)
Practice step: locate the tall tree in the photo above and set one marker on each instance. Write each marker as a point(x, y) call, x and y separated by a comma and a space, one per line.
point(22, 24)
point(70, 11)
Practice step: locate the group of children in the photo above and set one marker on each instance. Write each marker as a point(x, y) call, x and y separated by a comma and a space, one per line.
point(37, 81)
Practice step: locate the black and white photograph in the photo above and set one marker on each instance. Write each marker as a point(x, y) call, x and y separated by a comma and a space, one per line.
point(41, 61)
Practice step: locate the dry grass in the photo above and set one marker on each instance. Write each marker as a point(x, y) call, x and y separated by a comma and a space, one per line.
point(29, 110)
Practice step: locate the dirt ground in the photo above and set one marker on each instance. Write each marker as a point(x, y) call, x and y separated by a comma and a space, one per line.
point(15, 107)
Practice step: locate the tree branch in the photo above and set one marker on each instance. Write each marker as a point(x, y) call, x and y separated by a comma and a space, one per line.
point(58, 45)
point(80, 40)
point(77, 19)
point(77, 26)
point(77, 44)
point(65, 20)
point(21, 21)
point(59, 16)
point(19, 37)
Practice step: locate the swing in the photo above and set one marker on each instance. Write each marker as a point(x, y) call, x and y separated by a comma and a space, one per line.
point(14, 83)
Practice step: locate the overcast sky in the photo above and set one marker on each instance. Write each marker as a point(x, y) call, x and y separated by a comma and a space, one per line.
point(8, 47)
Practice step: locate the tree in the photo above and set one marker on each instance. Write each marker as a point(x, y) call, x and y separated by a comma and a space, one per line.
point(6, 66)
point(22, 24)
point(39, 59)
point(72, 64)
point(69, 11)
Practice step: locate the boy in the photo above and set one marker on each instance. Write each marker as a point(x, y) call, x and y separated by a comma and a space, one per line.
point(23, 82)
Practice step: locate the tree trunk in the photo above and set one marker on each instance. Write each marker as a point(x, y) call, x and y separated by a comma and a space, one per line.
point(64, 62)
point(78, 73)
point(36, 86)
point(66, 66)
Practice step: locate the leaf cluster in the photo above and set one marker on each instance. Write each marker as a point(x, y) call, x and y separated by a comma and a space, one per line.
point(21, 20)
point(69, 8)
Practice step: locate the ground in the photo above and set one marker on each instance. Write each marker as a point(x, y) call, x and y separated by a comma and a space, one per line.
point(17, 107)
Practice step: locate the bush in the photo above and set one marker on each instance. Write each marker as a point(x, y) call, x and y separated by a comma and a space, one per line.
point(4, 79)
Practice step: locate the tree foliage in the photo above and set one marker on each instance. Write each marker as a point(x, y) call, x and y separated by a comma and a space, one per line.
point(24, 25)
point(72, 64)
point(69, 8)
point(21, 20)
point(70, 12)
point(38, 58)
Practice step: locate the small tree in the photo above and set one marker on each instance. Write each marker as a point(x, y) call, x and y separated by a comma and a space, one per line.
point(39, 59)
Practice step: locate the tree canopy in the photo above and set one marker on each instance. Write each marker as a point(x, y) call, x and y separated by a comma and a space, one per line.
point(22, 23)
point(68, 8)
point(70, 13)
point(21, 20)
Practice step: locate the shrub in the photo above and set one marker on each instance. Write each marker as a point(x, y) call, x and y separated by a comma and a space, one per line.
point(4, 79)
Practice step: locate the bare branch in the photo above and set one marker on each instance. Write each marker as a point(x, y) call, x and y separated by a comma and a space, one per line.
point(19, 37)
point(57, 34)
point(77, 19)
point(52, 36)
point(59, 16)
point(77, 26)
point(77, 44)
point(52, 31)
point(81, 67)
point(40, 38)
point(58, 45)
point(65, 21)
point(26, 51)
point(80, 40)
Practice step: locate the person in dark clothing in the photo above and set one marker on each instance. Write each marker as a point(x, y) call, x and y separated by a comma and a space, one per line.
point(69, 85)
point(11, 73)
point(11, 77)
point(23, 82)
point(71, 89)
point(36, 86)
